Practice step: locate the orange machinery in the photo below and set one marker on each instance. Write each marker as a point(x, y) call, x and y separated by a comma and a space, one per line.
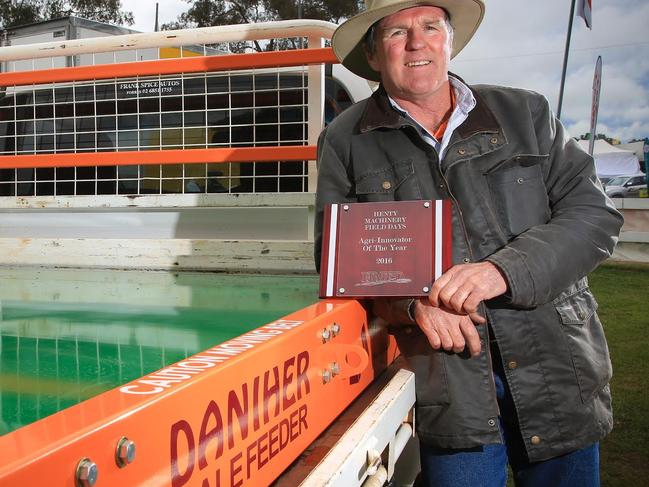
point(236, 414)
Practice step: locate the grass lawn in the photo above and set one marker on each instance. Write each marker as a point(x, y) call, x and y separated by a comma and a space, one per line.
point(622, 291)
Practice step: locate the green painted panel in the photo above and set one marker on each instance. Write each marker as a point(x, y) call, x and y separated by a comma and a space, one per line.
point(66, 336)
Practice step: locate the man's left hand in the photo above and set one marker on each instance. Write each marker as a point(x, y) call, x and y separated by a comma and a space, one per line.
point(463, 287)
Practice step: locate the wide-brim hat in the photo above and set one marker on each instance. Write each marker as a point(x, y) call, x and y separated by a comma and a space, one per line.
point(347, 41)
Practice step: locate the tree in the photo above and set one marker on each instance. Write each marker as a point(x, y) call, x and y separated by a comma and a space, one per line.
point(605, 137)
point(19, 12)
point(331, 10)
point(206, 13)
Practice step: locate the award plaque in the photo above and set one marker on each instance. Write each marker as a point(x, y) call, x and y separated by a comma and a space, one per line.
point(395, 248)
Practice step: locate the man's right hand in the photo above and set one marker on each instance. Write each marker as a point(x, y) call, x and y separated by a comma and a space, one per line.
point(446, 329)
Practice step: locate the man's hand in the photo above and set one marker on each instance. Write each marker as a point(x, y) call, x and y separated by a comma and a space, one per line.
point(463, 287)
point(446, 329)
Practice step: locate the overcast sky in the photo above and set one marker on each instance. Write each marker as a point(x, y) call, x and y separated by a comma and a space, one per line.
point(521, 43)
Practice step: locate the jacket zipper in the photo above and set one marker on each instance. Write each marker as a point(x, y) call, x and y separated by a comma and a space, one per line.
point(468, 245)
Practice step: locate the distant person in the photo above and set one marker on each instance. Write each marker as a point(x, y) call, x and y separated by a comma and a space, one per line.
point(510, 358)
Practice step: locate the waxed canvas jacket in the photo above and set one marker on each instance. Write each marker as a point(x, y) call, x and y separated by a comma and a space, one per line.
point(526, 198)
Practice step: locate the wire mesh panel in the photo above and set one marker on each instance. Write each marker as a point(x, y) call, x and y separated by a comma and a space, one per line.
point(41, 376)
point(233, 109)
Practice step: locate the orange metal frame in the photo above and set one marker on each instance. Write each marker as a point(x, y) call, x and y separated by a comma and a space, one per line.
point(234, 415)
point(200, 64)
point(164, 67)
point(184, 156)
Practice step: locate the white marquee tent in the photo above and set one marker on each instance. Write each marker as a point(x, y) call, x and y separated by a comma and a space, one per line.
point(611, 160)
point(636, 147)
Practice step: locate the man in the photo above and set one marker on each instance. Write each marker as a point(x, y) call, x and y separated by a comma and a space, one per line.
point(510, 359)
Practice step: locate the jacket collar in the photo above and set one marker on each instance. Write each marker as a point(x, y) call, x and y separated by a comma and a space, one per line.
point(379, 113)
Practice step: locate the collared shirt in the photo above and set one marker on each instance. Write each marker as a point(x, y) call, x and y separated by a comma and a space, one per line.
point(464, 103)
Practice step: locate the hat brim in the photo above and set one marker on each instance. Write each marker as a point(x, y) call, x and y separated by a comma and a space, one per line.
point(347, 40)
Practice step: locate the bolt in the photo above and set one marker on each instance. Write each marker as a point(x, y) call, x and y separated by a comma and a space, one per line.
point(325, 334)
point(86, 473)
point(346, 207)
point(125, 452)
point(373, 462)
point(335, 369)
point(426, 204)
point(326, 376)
point(335, 329)
point(426, 289)
point(341, 290)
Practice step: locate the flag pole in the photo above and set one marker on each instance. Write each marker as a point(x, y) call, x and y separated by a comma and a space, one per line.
point(565, 59)
point(597, 86)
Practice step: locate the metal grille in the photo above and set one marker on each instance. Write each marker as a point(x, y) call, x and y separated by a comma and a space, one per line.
point(44, 374)
point(253, 108)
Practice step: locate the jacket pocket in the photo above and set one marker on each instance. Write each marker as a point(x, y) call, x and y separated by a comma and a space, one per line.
point(585, 336)
point(519, 193)
point(388, 183)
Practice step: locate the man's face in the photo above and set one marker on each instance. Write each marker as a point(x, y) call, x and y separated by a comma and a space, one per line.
point(413, 49)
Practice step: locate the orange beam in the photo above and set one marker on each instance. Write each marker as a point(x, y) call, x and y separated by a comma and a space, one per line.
point(235, 415)
point(171, 66)
point(184, 156)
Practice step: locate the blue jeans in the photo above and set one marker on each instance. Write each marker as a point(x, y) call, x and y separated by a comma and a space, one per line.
point(486, 466)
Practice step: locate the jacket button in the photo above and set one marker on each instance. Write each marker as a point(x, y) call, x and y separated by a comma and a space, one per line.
point(491, 422)
point(520, 180)
point(466, 260)
point(535, 440)
point(512, 365)
point(461, 151)
point(386, 185)
point(494, 140)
